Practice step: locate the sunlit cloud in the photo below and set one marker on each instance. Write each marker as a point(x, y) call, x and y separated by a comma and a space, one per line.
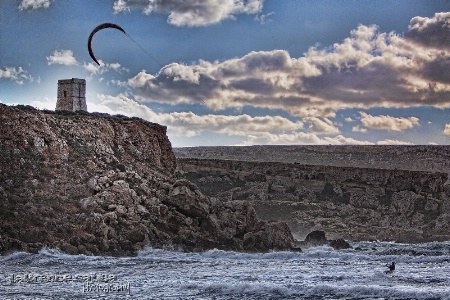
point(388, 123)
point(252, 130)
point(34, 4)
point(95, 69)
point(194, 12)
point(189, 122)
point(321, 126)
point(62, 57)
point(45, 103)
point(393, 142)
point(302, 138)
point(447, 129)
point(263, 19)
point(17, 75)
point(357, 128)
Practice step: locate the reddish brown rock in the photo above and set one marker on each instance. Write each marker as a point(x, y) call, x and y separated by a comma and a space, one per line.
point(101, 184)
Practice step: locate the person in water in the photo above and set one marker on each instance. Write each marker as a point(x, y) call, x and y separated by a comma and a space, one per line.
point(391, 268)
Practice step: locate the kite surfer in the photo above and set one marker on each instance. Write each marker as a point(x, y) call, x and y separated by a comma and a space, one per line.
point(391, 268)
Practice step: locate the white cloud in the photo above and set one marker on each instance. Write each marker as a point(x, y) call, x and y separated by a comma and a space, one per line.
point(388, 123)
point(447, 129)
point(95, 69)
point(393, 142)
point(320, 126)
point(341, 140)
point(63, 57)
point(45, 103)
point(182, 123)
point(358, 129)
point(117, 83)
point(18, 75)
point(295, 138)
point(301, 138)
point(263, 19)
point(193, 12)
point(34, 4)
point(348, 119)
point(240, 125)
point(255, 130)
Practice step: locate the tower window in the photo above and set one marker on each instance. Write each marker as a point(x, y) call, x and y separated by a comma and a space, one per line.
point(65, 93)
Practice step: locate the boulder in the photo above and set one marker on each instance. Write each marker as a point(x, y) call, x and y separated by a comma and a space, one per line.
point(317, 238)
point(339, 244)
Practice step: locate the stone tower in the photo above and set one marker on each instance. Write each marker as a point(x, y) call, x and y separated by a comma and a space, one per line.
point(71, 95)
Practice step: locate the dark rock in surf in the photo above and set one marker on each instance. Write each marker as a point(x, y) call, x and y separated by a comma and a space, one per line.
point(318, 238)
point(339, 244)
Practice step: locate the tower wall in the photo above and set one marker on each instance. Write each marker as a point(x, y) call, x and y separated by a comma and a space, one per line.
point(71, 95)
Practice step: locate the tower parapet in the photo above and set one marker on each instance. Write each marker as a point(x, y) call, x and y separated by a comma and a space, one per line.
point(71, 95)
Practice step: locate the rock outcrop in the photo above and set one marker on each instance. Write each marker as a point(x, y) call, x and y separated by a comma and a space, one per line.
point(318, 238)
point(346, 202)
point(101, 184)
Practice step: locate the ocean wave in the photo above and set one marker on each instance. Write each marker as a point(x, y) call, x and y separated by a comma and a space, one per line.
point(248, 288)
point(316, 273)
point(15, 256)
point(328, 291)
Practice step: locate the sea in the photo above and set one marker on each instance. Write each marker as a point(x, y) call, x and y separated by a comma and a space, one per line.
point(422, 272)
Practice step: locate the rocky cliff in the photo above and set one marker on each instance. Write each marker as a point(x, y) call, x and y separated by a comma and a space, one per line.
point(348, 202)
point(101, 184)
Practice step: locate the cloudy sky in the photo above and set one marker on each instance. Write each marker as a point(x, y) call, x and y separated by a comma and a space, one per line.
point(242, 72)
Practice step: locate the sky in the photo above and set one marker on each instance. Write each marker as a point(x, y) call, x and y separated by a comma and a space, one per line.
point(242, 72)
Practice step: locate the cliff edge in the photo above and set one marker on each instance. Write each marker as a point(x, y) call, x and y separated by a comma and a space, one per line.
point(100, 184)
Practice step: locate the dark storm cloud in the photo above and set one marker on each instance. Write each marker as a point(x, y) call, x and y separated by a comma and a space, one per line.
point(438, 69)
point(431, 32)
point(172, 89)
point(253, 85)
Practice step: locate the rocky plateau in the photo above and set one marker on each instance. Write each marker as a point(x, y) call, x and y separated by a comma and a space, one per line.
point(354, 203)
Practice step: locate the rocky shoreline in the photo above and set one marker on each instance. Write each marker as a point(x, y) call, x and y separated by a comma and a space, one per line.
point(97, 184)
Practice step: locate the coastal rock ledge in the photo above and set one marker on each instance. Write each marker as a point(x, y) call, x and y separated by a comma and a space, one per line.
point(97, 184)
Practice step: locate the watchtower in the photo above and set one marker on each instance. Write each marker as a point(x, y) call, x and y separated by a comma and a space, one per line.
point(71, 95)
